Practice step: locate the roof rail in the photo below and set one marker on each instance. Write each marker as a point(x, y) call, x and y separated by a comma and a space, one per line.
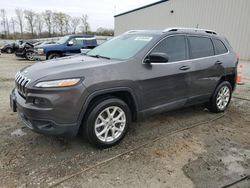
point(132, 31)
point(190, 29)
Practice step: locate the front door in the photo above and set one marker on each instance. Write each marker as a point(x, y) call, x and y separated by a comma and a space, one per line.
point(167, 84)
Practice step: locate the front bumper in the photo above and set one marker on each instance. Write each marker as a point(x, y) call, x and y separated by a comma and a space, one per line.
point(40, 57)
point(54, 120)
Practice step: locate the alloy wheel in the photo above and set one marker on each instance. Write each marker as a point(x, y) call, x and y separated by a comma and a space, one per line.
point(110, 124)
point(223, 97)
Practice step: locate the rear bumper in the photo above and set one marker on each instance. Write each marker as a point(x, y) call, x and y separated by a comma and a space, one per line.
point(51, 120)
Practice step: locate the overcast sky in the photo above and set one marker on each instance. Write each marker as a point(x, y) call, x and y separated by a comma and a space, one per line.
point(100, 12)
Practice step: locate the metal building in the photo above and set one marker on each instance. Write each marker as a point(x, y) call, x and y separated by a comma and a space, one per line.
point(230, 18)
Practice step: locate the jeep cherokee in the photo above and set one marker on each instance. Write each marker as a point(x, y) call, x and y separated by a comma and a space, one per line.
point(127, 78)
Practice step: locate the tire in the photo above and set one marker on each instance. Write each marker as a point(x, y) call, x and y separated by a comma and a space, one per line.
point(221, 98)
point(54, 55)
point(97, 121)
point(29, 56)
point(9, 50)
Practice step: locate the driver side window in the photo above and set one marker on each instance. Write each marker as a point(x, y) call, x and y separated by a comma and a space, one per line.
point(174, 47)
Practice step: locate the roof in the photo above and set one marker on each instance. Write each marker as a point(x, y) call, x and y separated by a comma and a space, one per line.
point(146, 6)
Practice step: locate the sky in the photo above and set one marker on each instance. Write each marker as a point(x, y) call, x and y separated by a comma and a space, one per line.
point(101, 12)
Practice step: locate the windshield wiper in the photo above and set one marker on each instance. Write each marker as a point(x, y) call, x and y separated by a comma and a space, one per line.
point(99, 56)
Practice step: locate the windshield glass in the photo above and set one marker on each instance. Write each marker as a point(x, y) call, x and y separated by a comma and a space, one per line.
point(62, 40)
point(121, 47)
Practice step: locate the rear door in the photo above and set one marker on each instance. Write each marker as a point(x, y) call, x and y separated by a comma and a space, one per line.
point(207, 68)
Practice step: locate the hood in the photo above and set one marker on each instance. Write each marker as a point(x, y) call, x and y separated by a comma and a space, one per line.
point(46, 45)
point(67, 67)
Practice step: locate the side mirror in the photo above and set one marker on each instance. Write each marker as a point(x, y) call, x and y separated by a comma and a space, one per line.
point(70, 43)
point(156, 58)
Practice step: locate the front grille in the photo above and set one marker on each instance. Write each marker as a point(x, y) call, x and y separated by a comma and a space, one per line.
point(21, 83)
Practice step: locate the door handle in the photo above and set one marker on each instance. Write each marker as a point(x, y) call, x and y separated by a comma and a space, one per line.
point(218, 62)
point(184, 68)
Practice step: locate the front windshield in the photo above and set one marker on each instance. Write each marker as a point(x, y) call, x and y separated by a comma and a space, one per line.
point(121, 47)
point(62, 40)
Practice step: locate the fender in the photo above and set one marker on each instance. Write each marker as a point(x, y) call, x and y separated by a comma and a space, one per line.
point(107, 91)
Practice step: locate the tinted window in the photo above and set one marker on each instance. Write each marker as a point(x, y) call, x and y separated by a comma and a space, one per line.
point(200, 47)
point(174, 47)
point(219, 47)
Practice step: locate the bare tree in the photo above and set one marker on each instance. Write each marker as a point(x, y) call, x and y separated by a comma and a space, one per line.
point(48, 18)
point(67, 20)
point(7, 26)
point(39, 22)
point(75, 22)
point(19, 14)
point(13, 24)
point(3, 21)
point(85, 23)
point(59, 19)
point(30, 16)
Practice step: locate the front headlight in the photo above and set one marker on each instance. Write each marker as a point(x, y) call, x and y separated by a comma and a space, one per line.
point(58, 83)
point(40, 51)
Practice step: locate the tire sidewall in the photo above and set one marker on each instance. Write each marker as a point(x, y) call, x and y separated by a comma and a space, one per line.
point(90, 123)
point(9, 50)
point(214, 99)
point(53, 56)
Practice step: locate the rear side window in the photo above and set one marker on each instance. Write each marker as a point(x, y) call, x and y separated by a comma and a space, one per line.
point(220, 48)
point(174, 47)
point(200, 47)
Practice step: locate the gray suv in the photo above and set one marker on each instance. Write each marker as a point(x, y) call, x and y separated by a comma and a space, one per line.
point(127, 78)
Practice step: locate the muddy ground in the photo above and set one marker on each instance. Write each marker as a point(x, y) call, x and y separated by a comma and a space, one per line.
point(185, 148)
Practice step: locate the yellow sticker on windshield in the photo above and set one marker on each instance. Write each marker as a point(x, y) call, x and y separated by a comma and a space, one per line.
point(147, 39)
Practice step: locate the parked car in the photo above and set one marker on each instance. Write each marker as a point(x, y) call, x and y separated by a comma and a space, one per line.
point(68, 45)
point(9, 47)
point(128, 78)
point(41, 43)
point(25, 50)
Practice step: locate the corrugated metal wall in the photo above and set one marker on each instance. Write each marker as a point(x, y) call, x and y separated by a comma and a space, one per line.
point(230, 18)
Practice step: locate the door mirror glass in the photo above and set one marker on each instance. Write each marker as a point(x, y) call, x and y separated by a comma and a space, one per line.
point(156, 58)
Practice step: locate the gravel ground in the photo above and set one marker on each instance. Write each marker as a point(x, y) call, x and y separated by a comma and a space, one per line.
point(213, 151)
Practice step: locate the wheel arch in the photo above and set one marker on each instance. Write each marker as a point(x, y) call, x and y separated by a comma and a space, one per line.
point(123, 93)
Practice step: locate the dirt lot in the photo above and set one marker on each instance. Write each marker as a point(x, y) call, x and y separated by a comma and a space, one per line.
point(186, 148)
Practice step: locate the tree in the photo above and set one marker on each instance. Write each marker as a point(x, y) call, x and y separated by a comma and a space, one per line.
point(67, 20)
point(19, 14)
point(48, 17)
point(30, 16)
point(4, 21)
point(59, 21)
point(13, 24)
point(85, 24)
point(39, 22)
point(75, 21)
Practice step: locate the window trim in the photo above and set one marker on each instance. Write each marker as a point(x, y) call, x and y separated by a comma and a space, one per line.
point(186, 45)
point(222, 43)
point(187, 60)
point(189, 46)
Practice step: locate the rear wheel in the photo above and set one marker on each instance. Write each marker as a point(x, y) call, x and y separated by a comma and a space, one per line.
point(221, 97)
point(9, 50)
point(107, 122)
point(54, 56)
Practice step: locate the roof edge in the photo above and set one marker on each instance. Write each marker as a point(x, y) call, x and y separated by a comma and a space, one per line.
point(143, 7)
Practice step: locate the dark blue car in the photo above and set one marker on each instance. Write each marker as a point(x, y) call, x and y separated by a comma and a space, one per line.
point(68, 45)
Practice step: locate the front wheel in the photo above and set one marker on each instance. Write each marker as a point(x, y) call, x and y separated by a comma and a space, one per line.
point(29, 56)
point(54, 56)
point(221, 97)
point(107, 122)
